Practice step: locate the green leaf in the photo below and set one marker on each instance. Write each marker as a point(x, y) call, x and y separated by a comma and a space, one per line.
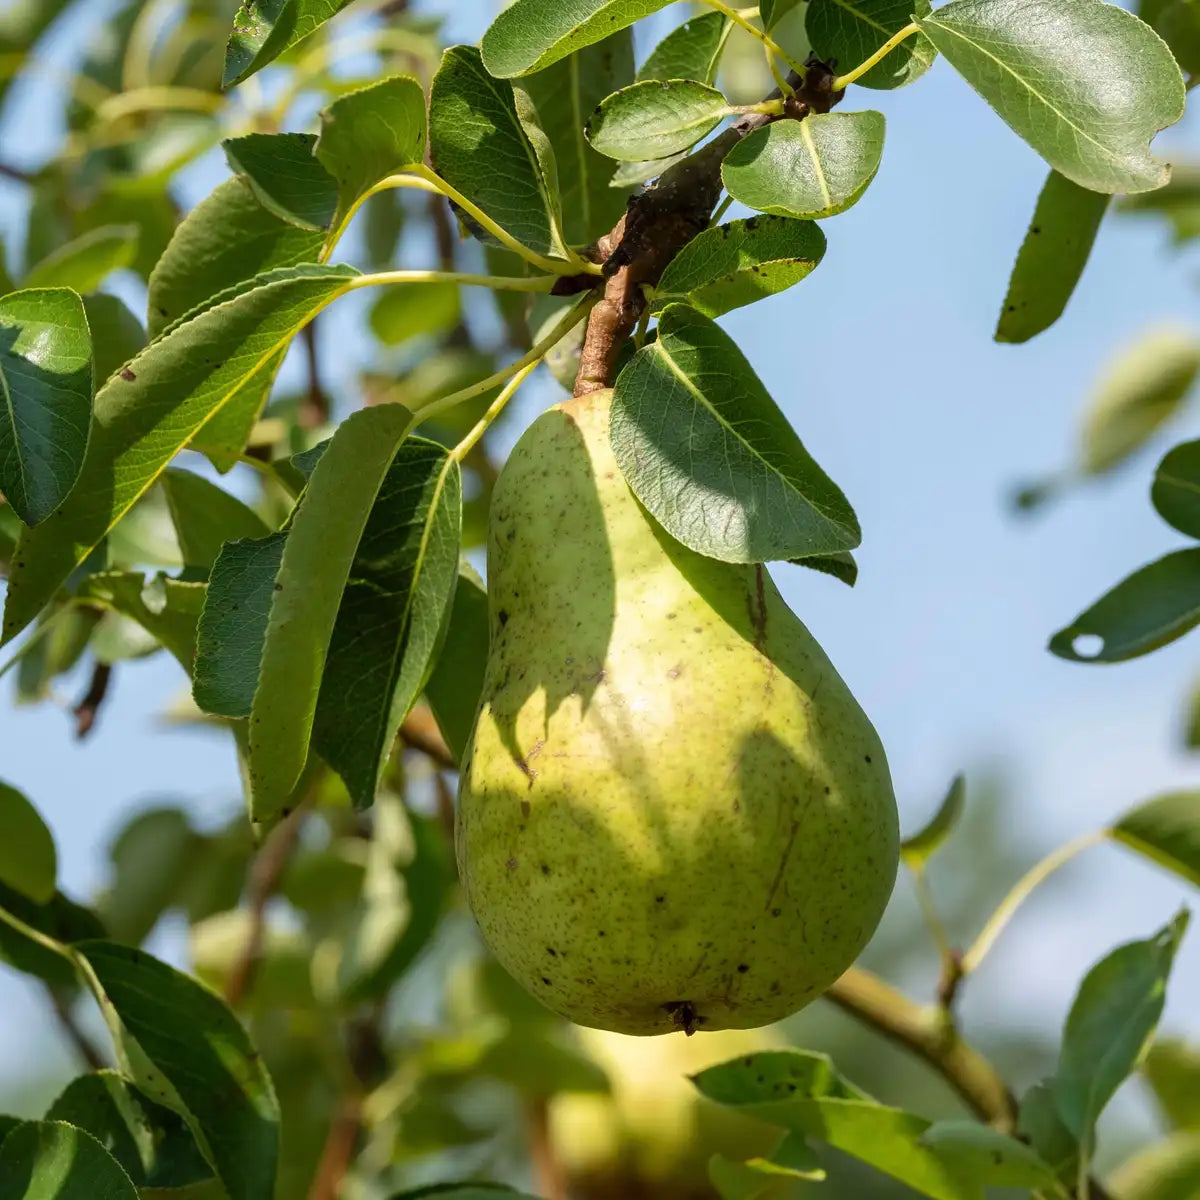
point(1040, 1125)
point(369, 134)
point(479, 145)
point(187, 1051)
point(167, 609)
point(83, 264)
point(1176, 488)
point(731, 265)
point(1051, 258)
point(1114, 1015)
point(233, 626)
point(692, 51)
point(286, 177)
point(403, 311)
point(803, 1093)
point(206, 517)
point(321, 544)
point(1167, 1170)
point(54, 651)
point(463, 1191)
point(812, 168)
point(146, 414)
point(456, 684)
point(61, 920)
point(1172, 1068)
point(396, 600)
point(921, 846)
point(1144, 388)
point(117, 335)
point(840, 566)
point(1149, 609)
point(151, 1143)
point(1178, 24)
point(406, 889)
point(562, 96)
point(1166, 830)
point(1090, 113)
point(757, 1178)
point(707, 451)
point(264, 29)
point(227, 239)
point(28, 861)
point(529, 35)
point(987, 1155)
point(51, 1160)
point(848, 32)
point(655, 119)
point(46, 387)
point(773, 11)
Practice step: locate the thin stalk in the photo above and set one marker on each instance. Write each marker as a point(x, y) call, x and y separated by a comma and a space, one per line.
point(494, 410)
point(137, 65)
point(738, 19)
point(151, 98)
point(863, 67)
point(768, 108)
point(531, 357)
point(933, 920)
point(500, 283)
point(1021, 892)
point(721, 210)
point(42, 939)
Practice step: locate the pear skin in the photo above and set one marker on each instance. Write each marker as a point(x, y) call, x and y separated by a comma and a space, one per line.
point(673, 814)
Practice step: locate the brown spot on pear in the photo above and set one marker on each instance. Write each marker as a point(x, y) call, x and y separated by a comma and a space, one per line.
point(752, 791)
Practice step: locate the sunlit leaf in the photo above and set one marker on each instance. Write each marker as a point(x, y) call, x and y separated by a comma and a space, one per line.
point(51, 1160)
point(921, 846)
point(1166, 1170)
point(1172, 1068)
point(655, 119)
point(1086, 83)
point(264, 29)
point(1167, 830)
point(206, 516)
point(83, 263)
point(286, 177)
point(28, 862)
point(456, 684)
point(692, 51)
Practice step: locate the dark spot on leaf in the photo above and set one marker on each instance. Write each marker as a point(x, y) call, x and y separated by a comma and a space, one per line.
point(503, 617)
point(743, 968)
point(545, 981)
point(127, 375)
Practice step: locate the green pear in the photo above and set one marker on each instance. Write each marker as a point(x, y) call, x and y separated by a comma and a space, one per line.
point(673, 814)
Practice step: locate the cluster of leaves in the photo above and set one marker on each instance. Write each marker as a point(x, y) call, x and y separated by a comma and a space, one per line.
point(312, 621)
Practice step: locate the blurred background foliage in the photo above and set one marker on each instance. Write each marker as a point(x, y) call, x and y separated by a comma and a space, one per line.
point(399, 1050)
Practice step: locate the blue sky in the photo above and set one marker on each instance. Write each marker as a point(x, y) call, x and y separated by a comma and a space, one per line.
point(883, 360)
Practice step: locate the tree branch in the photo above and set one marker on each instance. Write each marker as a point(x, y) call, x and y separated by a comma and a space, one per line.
point(88, 708)
point(661, 220)
point(419, 731)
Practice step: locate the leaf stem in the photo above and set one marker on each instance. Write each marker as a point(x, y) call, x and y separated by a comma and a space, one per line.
point(494, 410)
point(42, 939)
point(530, 358)
point(500, 283)
point(769, 108)
point(1021, 891)
point(151, 98)
point(738, 19)
point(863, 67)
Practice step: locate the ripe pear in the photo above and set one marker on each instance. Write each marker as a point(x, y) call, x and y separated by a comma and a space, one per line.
point(673, 814)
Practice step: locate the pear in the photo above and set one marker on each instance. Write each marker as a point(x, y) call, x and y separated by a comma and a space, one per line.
point(672, 814)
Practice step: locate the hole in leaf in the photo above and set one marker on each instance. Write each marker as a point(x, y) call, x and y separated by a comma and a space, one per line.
point(1088, 645)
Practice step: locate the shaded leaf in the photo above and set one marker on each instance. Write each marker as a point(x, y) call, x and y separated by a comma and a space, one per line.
point(151, 1143)
point(655, 119)
point(1178, 24)
point(326, 529)
point(28, 862)
point(402, 311)
point(1178, 202)
point(463, 1191)
point(692, 51)
point(707, 451)
point(369, 134)
point(145, 415)
point(117, 335)
point(731, 265)
point(286, 177)
point(1175, 492)
point(1172, 1068)
point(82, 264)
point(529, 35)
point(46, 388)
point(456, 684)
point(921, 846)
point(840, 566)
point(479, 145)
point(233, 625)
point(60, 919)
point(850, 31)
point(206, 517)
point(759, 1177)
point(392, 610)
point(1041, 1126)
point(563, 96)
point(227, 239)
point(167, 609)
point(1149, 609)
point(1143, 388)
point(1114, 1014)
point(1090, 114)
point(216, 1082)
point(1051, 259)
point(1166, 830)
point(264, 29)
point(773, 11)
point(812, 168)
point(51, 1160)
point(987, 1154)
